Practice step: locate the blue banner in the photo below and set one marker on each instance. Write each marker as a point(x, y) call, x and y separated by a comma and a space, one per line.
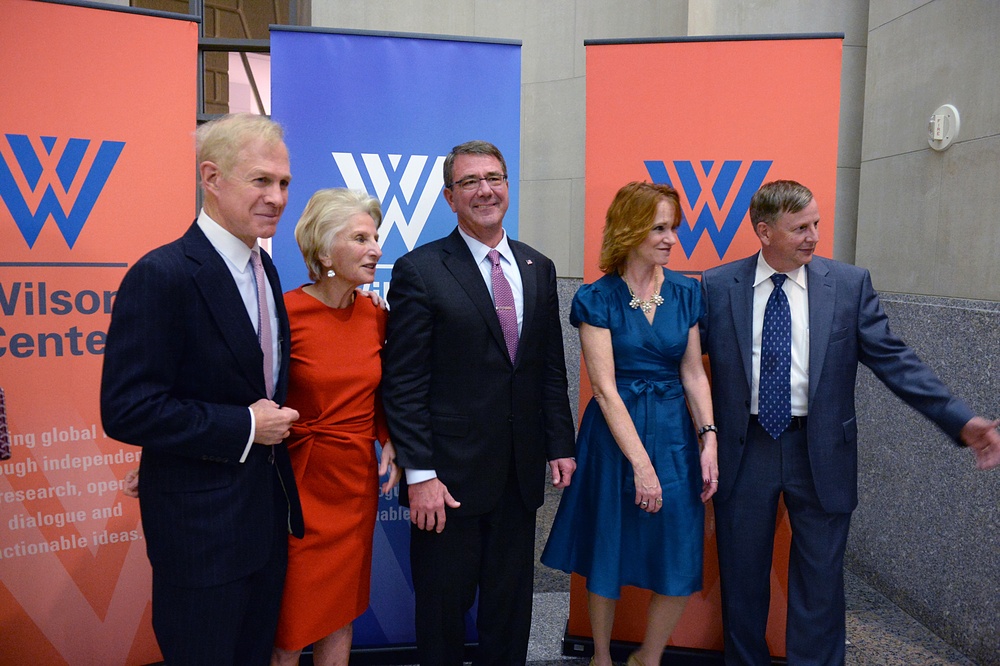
point(380, 112)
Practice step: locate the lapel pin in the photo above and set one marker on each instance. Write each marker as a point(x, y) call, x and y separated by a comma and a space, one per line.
point(529, 262)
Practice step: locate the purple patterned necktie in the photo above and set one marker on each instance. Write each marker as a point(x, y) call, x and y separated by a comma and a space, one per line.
point(263, 321)
point(503, 299)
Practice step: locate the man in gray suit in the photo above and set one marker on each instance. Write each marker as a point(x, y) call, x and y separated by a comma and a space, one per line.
point(784, 404)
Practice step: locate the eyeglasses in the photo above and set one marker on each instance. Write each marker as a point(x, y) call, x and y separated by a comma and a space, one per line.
point(494, 180)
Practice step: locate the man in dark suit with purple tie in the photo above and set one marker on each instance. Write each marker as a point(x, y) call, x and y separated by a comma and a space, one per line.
point(785, 331)
point(195, 371)
point(474, 387)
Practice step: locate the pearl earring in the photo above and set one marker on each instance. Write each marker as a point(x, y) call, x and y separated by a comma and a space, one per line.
point(330, 273)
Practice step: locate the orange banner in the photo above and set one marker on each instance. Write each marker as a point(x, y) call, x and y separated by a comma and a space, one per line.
point(714, 119)
point(96, 168)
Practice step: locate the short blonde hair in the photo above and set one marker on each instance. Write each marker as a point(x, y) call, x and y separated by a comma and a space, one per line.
point(221, 141)
point(629, 219)
point(326, 214)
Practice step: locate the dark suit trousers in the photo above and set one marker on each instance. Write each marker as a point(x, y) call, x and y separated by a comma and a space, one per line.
point(495, 552)
point(232, 623)
point(745, 525)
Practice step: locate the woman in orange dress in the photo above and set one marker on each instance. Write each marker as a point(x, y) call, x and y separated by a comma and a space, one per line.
point(335, 372)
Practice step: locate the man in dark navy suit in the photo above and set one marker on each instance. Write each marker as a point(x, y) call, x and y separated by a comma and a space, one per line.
point(195, 371)
point(474, 387)
point(787, 425)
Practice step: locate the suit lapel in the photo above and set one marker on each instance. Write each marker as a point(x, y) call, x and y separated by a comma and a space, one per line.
point(822, 303)
point(225, 305)
point(459, 261)
point(529, 289)
point(741, 302)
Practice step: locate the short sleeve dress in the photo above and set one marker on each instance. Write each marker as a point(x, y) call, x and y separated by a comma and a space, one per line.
point(598, 531)
point(334, 375)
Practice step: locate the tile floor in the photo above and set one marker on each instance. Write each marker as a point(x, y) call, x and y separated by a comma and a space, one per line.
point(878, 632)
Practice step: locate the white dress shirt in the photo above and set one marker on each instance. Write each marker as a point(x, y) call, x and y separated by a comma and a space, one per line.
point(479, 251)
point(796, 289)
point(236, 255)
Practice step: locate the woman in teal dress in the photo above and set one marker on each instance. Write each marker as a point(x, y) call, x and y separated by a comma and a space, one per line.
point(634, 514)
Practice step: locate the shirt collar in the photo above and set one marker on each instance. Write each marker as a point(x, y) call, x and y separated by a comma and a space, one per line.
point(228, 245)
point(480, 250)
point(764, 272)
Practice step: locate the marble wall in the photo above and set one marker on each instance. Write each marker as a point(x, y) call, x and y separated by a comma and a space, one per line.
point(927, 529)
point(571, 343)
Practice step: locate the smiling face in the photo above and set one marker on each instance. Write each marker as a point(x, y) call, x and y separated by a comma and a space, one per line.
point(655, 249)
point(790, 241)
point(354, 253)
point(480, 211)
point(249, 199)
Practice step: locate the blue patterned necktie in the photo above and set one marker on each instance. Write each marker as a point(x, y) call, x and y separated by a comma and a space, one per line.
point(774, 395)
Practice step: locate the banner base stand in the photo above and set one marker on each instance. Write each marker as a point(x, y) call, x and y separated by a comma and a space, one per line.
point(380, 656)
point(583, 646)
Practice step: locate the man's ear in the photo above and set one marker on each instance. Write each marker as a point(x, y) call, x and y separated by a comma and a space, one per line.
point(449, 196)
point(210, 175)
point(763, 233)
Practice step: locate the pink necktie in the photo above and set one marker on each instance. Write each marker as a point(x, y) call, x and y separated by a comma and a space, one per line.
point(263, 321)
point(503, 299)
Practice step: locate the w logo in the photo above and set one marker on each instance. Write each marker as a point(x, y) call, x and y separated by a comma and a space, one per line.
point(396, 185)
point(52, 173)
point(711, 197)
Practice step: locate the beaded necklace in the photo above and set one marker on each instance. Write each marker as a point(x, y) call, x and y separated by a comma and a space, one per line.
point(646, 305)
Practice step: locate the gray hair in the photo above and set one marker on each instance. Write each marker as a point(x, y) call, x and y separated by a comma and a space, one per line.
point(471, 148)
